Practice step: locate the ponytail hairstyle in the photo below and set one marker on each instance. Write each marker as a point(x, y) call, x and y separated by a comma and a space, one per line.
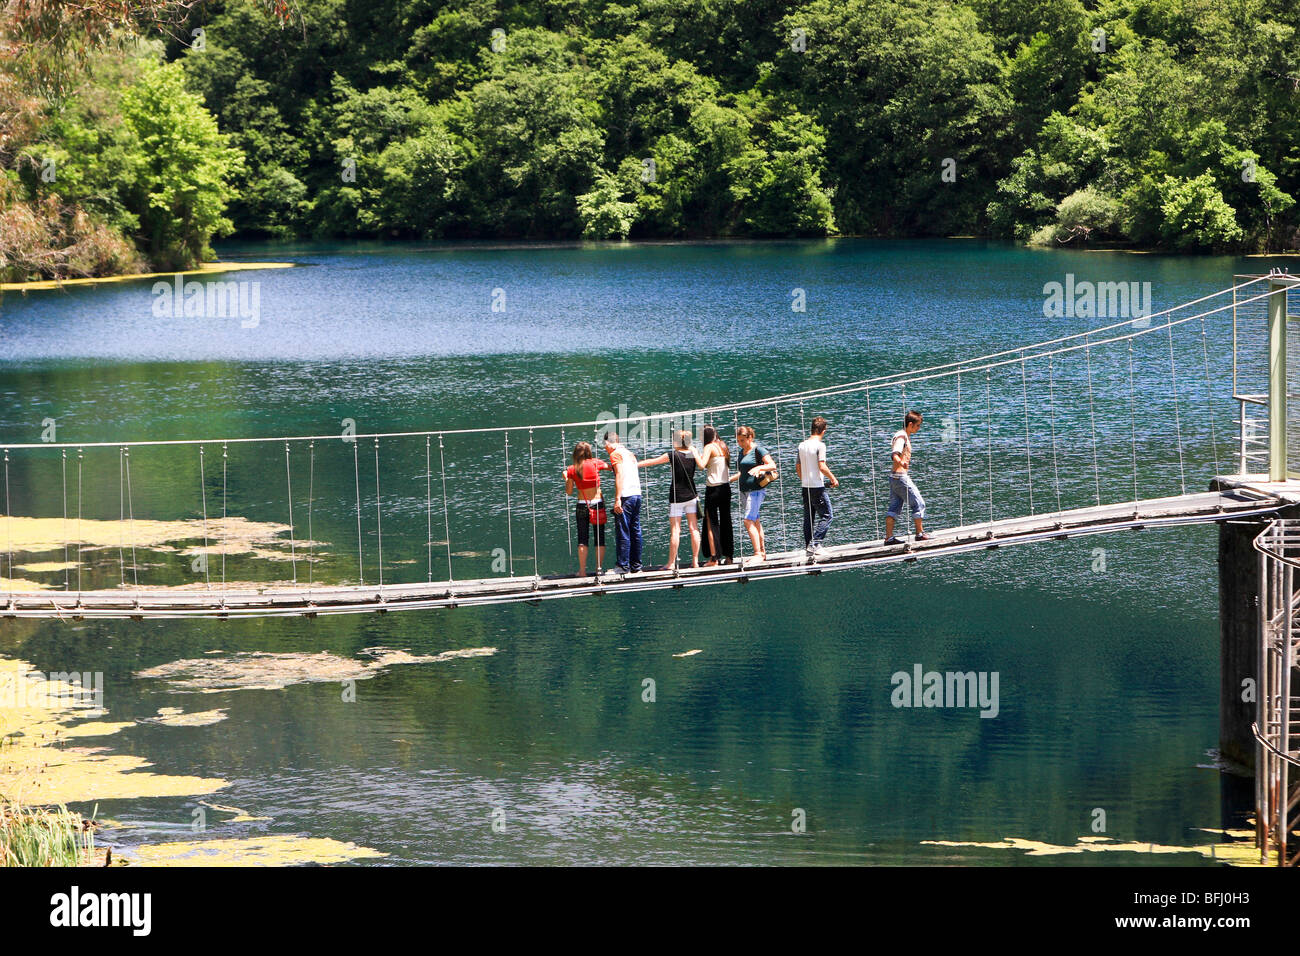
point(710, 436)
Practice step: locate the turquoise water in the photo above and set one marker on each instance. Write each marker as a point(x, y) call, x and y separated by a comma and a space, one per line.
point(1108, 679)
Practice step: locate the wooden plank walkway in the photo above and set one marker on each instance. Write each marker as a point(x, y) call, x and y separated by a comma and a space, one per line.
point(139, 603)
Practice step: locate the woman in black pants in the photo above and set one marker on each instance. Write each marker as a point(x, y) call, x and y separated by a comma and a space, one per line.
point(717, 499)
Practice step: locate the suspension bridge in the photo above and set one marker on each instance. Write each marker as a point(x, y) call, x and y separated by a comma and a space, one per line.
point(1118, 428)
point(1074, 436)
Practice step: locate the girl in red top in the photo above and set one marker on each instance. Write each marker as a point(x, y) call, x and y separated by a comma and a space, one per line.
point(584, 478)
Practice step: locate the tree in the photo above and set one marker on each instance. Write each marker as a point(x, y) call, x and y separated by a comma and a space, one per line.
point(1065, 157)
point(642, 118)
point(1195, 215)
point(900, 87)
point(181, 187)
point(537, 143)
point(1084, 215)
point(416, 188)
point(603, 211)
point(49, 42)
point(782, 192)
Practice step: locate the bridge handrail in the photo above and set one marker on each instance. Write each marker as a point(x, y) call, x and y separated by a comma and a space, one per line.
point(976, 364)
point(1272, 747)
point(1261, 546)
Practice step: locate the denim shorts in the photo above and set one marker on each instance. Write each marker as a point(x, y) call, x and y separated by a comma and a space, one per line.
point(753, 500)
point(902, 488)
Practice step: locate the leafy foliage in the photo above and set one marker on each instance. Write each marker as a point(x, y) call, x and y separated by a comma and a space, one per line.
point(1166, 123)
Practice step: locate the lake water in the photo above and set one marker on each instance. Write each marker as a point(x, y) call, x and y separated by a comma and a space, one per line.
point(1108, 679)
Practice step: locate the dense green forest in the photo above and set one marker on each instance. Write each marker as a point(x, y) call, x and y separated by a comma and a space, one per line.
point(1159, 123)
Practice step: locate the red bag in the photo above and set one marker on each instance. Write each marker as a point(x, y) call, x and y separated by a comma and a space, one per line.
point(597, 513)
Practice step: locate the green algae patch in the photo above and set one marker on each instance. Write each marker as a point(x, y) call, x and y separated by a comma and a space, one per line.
point(39, 768)
point(90, 538)
point(288, 850)
point(266, 670)
point(1237, 853)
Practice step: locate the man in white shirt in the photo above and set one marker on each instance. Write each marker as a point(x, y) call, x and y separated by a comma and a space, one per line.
point(901, 486)
point(627, 504)
point(813, 475)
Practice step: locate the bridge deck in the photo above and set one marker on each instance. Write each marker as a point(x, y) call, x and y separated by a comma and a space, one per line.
point(303, 600)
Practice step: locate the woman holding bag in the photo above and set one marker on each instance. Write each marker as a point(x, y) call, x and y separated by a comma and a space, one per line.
point(757, 471)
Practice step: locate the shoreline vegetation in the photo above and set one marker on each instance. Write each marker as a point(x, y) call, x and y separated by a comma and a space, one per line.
point(43, 837)
point(217, 268)
point(130, 140)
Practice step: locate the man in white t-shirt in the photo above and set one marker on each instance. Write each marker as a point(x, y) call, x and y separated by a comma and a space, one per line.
point(901, 486)
point(813, 475)
point(627, 504)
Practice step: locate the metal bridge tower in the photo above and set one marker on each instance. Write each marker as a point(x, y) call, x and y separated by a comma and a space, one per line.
point(1268, 664)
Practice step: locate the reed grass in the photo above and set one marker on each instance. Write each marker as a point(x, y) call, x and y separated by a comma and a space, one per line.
point(40, 836)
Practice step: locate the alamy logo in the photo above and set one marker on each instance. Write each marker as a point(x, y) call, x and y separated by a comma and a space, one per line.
point(1086, 300)
point(638, 430)
point(56, 690)
point(209, 300)
point(74, 909)
point(922, 688)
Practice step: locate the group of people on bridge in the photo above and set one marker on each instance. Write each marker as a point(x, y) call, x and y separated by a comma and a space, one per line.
point(753, 471)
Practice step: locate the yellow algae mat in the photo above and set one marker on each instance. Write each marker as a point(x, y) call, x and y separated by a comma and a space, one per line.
point(232, 535)
point(175, 717)
point(39, 767)
point(265, 670)
point(207, 268)
point(1237, 852)
point(252, 851)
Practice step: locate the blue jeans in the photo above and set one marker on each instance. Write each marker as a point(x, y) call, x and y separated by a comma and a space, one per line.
point(816, 505)
point(902, 488)
point(627, 534)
